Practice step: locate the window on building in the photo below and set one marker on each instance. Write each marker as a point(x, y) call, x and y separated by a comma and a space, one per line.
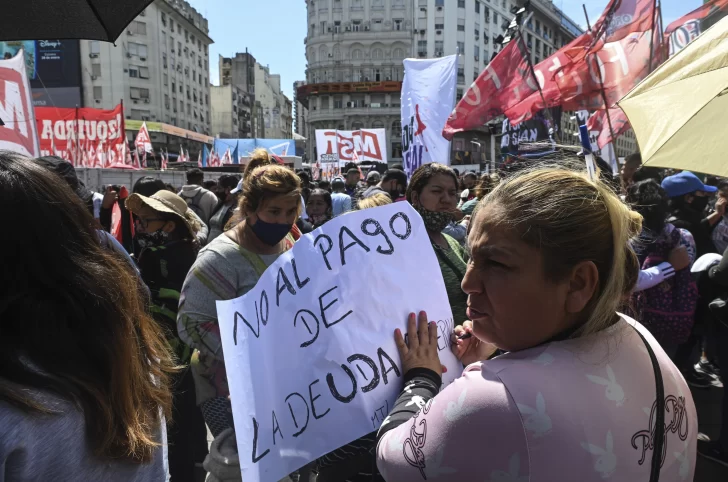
point(134, 72)
point(174, 87)
point(323, 27)
point(486, 13)
point(182, 106)
point(338, 103)
point(337, 26)
point(356, 54)
point(461, 47)
point(164, 60)
point(144, 93)
point(439, 3)
point(476, 53)
point(137, 28)
point(137, 49)
point(134, 93)
point(461, 3)
point(477, 6)
point(461, 75)
point(398, 24)
point(460, 94)
point(495, 18)
point(461, 25)
point(439, 26)
point(179, 48)
point(171, 26)
point(165, 79)
point(96, 70)
point(143, 72)
point(356, 25)
point(164, 19)
point(422, 48)
point(95, 47)
point(98, 92)
point(378, 54)
point(439, 47)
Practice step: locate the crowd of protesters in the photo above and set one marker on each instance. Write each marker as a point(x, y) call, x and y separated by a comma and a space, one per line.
point(111, 347)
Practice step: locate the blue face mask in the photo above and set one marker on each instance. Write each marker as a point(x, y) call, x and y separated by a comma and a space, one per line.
point(270, 233)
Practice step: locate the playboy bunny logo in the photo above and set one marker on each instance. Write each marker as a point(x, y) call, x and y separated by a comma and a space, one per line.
point(454, 410)
point(513, 474)
point(684, 460)
point(536, 421)
point(614, 390)
point(544, 359)
point(606, 463)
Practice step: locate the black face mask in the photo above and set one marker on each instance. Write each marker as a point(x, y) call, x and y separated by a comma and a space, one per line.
point(699, 203)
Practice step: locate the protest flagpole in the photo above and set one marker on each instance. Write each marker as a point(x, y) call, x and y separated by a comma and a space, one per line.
point(652, 34)
point(601, 82)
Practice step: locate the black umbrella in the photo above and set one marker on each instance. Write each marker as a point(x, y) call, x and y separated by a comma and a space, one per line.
point(68, 19)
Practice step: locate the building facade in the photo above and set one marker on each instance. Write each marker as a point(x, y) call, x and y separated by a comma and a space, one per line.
point(300, 111)
point(159, 68)
point(231, 112)
point(240, 72)
point(276, 108)
point(354, 50)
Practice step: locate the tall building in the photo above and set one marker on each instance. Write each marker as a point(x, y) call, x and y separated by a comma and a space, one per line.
point(231, 112)
point(354, 50)
point(300, 111)
point(276, 108)
point(240, 72)
point(159, 68)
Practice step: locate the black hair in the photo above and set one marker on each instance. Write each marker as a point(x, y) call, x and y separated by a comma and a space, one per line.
point(147, 186)
point(338, 184)
point(398, 167)
point(195, 176)
point(229, 181)
point(322, 192)
point(325, 185)
point(651, 201)
point(457, 173)
point(711, 180)
point(647, 172)
point(400, 176)
point(634, 158)
point(352, 171)
point(423, 174)
point(210, 184)
point(470, 174)
point(722, 185)
point(304, 177)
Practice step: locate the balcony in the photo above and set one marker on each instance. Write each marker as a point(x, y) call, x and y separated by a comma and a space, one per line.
point(336, 114)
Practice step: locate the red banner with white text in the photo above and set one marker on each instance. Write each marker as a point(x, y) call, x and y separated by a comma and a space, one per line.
point(86, 137)
point(686, 29)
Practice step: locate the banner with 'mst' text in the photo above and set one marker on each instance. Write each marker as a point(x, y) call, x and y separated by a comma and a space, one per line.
point(310, 354)
point(333, 146)
point(86, 137)
point(428, 98)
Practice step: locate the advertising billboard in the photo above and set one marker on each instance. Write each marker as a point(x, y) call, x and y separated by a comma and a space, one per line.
point(53, 68)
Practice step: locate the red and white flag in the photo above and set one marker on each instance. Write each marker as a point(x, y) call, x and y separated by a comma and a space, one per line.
point(181, 157)
point(143, 141)
point(136, 163)
point(226, 158)
point(19, 133)
point(199, 159)
point(599, 122)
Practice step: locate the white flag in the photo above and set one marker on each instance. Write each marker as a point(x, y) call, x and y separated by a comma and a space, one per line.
point(428, 98)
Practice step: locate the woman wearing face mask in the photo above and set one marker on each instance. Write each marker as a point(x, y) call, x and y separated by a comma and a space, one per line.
point(688, 199)
point(319, 207)
point(165, 232)
point(432, 191)
point(228, 268)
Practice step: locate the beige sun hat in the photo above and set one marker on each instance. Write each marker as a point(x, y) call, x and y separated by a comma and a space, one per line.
point(165, 202)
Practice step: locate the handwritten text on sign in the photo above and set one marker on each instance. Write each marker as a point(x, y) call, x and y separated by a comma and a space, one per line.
point(310, 354)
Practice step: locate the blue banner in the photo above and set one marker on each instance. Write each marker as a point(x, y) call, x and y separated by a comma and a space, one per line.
point(279, 147)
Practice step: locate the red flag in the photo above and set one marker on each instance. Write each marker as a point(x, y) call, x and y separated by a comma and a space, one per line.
point(136, 164)
point(504, 81)
point(686, 29)
point(599, 122)
point(563, 74)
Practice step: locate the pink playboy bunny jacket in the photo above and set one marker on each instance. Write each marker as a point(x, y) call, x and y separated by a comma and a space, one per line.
point(576, 410)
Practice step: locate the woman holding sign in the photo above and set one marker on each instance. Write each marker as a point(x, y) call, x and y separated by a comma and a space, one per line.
point(228, 268)
point(433, 192)
point(581, 389)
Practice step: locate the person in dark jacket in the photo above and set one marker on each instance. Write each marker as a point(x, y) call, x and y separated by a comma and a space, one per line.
point(165, 232)
point(688, 199)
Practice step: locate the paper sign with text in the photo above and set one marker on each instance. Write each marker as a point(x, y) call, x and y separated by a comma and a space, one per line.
point(310, 353)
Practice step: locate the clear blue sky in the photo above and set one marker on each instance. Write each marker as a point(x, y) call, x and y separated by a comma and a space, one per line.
point(273, 30)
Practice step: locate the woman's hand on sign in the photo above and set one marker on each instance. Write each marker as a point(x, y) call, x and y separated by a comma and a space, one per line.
point(420, 349)
point(470, 350)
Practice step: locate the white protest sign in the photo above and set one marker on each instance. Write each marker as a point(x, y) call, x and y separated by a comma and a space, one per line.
point(310, 353)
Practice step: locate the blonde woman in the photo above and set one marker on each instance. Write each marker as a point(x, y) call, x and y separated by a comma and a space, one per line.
point(228, 268)
point(581, 389)
point(375, 200)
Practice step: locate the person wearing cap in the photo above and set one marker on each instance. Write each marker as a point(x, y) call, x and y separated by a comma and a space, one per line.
point(341, 202)
point(165, 230)
point(353, 176)
point(230, 188)
point(392, 184)
point(373, 178)
point(688, 199)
